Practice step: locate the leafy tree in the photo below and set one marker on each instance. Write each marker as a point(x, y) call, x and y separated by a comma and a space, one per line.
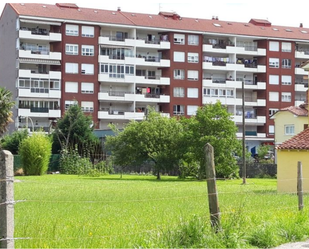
point(156, 139)
point(213, 124)
point(75, 128)
point(35, 152)
point(11, 142)
point(6, 105)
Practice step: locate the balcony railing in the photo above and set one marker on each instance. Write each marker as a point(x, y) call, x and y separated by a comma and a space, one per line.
point(36, 31)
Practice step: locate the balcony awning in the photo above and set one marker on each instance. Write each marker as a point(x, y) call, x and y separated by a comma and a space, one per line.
point(37, 21)
point(38, 61)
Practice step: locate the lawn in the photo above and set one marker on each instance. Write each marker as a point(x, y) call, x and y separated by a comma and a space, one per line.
point(65, 211)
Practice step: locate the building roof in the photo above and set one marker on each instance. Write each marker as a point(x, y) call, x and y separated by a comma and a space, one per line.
point(298, 142)
point(295, 110)
point(163, 20)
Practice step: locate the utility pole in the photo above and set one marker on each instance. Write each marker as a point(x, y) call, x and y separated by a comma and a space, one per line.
point(244, 170)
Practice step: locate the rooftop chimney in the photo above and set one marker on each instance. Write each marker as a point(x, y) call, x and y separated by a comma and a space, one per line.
point(301, 25)
point(119, 9)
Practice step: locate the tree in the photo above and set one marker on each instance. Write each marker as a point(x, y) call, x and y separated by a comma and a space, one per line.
point(156, 138)
point(213, 124)
point(12, 141)
point(35, 152)
point(6, 105)
point(75, 128)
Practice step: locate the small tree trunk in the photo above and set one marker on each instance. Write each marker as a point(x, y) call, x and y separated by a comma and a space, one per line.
point(158, 175)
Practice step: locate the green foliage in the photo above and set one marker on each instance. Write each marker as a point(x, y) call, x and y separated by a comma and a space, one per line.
point(6, 105)
point(11, 142)
point(188, 167)
point(35, 152)
point(156, 138)
point(75, 129)
point(263, 151)
point(213, 124)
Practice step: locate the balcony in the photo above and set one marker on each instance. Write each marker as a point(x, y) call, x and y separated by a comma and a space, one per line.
point(228, 83)
point(302, 54)
point(39, 93)
point(120, 115)
point(253, 134)
point(40, 54)
point(254, 51)
point(225, 65)
point(130, 97)
point(24, 73)
point(39, 34)
point(39, 112)
point(250, 120)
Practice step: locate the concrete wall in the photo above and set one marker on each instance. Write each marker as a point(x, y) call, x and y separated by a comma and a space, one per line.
point(287, 170)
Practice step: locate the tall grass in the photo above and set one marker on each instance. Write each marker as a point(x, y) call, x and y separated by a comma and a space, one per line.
point(65, 211)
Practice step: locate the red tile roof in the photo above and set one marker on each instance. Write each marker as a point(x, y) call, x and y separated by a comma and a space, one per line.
point(298, 142)
point(296, 110)
point(70, 12)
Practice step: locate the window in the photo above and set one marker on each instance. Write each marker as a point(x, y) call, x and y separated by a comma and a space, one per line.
point(286, 63)
point(87, 106)
point(192, 75)
point(71, 68)
point(193, 39)
point(273, 96)
point(179, 56)
point(192, 92)
point(71, 29)
point(71, 49)
point(272, 111)
point(274, 62)
point(87, 87)
point(285, 97)
point(179, 92)
point(271, 129)
point(178, 110)
point(71, 87)
point(193, 57)
point(87, 31)
point(88, 50)
point(289, 130)
point(179, 74)
point(87, 69)
point(69, 103)
point(179, 39)
point(274, 79)
point(191, 109)
point(273, 46)
point(286, 47)
point(286, 79)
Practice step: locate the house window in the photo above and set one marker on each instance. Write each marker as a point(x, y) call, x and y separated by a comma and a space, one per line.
point(179, 74)
point(71, 49)
point(179, 39)
point(179, 92)
point(178, 110)
point(71, 68)
point(193, 39)
point(192, 92)
point(69, 103)
point(271, 129)
point(286, 63)
point(87, 31)
point(87, 106)
point(87, 50)
point(193, 57)
point(274, 79)
point(272, 111)
point(286, 97)
point(71, 30)
point(273, 46)
point(87, 87)
point(289, 130)
point(179, 56)
point(71, 87)
point(87, 69)
point(286, 80)
point(286, 47)
point(273, 96)
point(191, 109)
point(274, 62)
point(192, 75)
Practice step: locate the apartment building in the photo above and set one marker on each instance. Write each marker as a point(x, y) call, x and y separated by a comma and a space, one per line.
point(115, 64)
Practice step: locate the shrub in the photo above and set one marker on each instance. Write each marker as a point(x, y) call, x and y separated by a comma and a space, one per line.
point(35, 152)
point(11, 142)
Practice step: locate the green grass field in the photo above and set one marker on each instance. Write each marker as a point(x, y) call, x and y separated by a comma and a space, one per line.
point(63, 211)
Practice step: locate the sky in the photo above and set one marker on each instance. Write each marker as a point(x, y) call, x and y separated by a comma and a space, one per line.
point(278, 12)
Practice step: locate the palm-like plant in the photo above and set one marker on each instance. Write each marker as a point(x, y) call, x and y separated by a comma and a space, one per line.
point(6, 105)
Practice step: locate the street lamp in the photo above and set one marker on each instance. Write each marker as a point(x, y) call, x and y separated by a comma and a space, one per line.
point(244, 171)
point(27, 118)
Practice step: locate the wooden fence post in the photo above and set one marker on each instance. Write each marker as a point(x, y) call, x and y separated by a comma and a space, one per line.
point(212, 187)
point(7, 200)
point(300, 186)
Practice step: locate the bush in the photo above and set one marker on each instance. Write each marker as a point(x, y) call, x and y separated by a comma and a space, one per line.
point(11, 142)
point(35, 152)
